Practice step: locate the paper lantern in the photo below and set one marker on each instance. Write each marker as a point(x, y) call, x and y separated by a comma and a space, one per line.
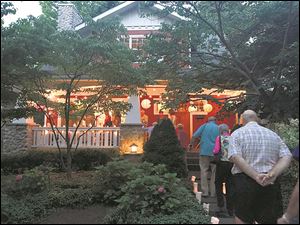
point(192, 108)
point(208, 108)
point(146, 103)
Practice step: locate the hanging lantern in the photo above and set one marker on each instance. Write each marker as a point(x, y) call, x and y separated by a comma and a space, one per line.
point(146, 103)
point(192, 108)
point(208, 108)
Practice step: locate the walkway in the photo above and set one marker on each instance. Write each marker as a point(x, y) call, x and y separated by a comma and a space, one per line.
point(192, 159)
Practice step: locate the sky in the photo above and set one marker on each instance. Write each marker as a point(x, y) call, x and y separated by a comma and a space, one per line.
point(23, 9)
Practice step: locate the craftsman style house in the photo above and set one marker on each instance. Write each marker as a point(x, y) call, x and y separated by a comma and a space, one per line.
point(146, 109)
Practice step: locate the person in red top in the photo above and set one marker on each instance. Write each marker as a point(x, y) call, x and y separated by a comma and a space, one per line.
point(107, 121)
point(182, 136)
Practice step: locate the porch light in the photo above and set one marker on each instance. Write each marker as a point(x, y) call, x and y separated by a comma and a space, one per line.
point(208, 108)
point(133, 148)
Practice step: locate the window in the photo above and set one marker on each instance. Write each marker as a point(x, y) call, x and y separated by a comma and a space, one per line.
point(137, 43)
point(134, 41)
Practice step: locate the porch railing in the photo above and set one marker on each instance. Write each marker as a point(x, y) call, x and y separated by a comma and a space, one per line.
point(93, 138)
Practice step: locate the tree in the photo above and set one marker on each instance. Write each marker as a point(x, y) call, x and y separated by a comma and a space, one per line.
point(38, 62)
point(72, 58)
point(87, 9)
point(22, 44)
point(231, 45)
point(163, 147)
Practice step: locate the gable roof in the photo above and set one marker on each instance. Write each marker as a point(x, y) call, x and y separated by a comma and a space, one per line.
point(121, 8)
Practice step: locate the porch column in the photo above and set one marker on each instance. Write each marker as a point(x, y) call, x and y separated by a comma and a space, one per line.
point(133, 115)
point(131, 131)
point(58, 120)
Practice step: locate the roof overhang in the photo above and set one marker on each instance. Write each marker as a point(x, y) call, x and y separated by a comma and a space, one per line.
point(122, 7)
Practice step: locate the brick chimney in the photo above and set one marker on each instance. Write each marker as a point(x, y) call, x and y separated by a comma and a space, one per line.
point(68, 16)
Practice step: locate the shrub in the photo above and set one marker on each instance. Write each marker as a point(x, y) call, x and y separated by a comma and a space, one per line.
point(289, 132)
point(88, 159)
point(74, 198)
point(153, 194)
point(189, 212)
point(111, 178)
point(82, 160)
point(31, 182)
point(25, 210)
point(163, 147)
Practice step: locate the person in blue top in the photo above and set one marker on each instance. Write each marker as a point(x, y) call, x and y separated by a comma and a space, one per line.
point(207, 133)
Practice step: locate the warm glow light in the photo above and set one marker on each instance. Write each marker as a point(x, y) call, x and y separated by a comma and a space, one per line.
point(208, 108)
point(192, 108)
point(133, 148)
point(224, 189)
point(146, 103)
point(195, 185)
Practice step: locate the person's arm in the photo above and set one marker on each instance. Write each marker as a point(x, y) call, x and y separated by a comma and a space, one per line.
point(293, 207)
point(282, 164)
point(217, 146)
point(244, 167)
point(197, 134)
point(285, 158)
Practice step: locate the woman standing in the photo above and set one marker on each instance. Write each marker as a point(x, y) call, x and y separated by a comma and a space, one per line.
point(223, 171)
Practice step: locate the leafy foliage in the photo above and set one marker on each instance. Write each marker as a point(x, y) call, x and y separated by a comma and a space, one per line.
point(157, 200)
point(163, 147)
point(230, 45)
point(69, 197)
point(83, 160)
point(289, 132)
point(112, 177)
point(152, 194)
point(31, 182)
point(24, 211)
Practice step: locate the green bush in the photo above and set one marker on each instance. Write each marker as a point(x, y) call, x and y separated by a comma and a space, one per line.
point(88, 159)
point(189, 212)
point(31, 182)
point(74, 198)
point(153, 194)
point(163, 147)
point(24, 211)
point(82, 160)
point(111, 178)
point(289, 132)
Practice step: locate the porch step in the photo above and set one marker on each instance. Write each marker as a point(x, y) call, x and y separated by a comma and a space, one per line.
point(192, 160)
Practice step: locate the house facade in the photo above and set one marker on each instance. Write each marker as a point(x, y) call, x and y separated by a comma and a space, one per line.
point(146, 109)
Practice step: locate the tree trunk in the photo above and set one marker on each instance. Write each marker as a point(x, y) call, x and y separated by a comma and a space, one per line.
point(69, 164)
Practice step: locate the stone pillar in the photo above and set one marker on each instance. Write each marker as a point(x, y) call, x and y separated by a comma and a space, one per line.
point(132, 132)
point(16, 137)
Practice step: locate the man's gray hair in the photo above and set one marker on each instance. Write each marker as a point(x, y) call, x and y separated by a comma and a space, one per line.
point(211, 118)
point(223, 128)
point(249, 115)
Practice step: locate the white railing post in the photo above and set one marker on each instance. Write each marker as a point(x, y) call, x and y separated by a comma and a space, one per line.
point(94, 138)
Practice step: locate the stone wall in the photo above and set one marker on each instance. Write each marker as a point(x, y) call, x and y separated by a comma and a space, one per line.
point(131, 134)
point(16, 138)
